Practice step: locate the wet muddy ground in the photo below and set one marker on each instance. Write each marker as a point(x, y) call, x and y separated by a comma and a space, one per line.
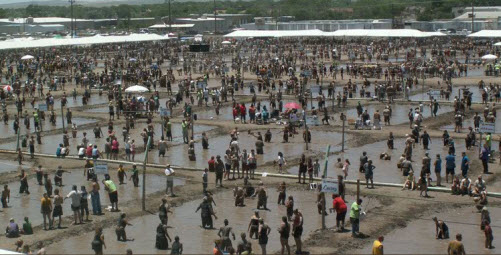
point(185, 223)
point(23, 205)
point(419, 234)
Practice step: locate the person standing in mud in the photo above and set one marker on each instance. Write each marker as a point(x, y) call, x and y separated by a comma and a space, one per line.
point(120, 230)
point(98, 241)
point(23, 177)
point(219, 171)
point(284, 231)
point(262, 197)
point(110, 186)
point(297, 230)
point(206, 213)
point(135, 176)
point(94, 197)
point(363, 160)
point(282, 188)
point(254, 225)
point(163, 211)
point(224, 234)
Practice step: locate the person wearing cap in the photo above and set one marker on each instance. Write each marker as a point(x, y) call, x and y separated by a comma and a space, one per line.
point(12, 230)
point(169, 172)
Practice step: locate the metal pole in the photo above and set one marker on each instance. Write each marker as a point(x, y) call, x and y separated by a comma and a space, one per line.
point(192, 125)
point(326, 161)
point(343, 118)
point(170, 19)
point(62, 116)
point(215, 18)
point(472, 17)
point(306, 130)
point(144, 173)
point(358, 189)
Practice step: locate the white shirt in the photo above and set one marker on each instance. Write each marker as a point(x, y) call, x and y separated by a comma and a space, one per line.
point(75, 198)
point(81, 151)
point(169, 171)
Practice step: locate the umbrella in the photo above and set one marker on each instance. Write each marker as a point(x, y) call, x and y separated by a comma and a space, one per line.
point(132, 60)
point(489, 57)
point(7, 88)
point(226, 42)
point(136, 88)
point(27, 57)
point(292, 106)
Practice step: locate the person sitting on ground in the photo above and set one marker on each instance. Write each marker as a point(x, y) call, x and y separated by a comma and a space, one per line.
point(12, 230)
point(27, 229)
point(479, 186)
point(441, 229)
point(465, 187)
point(480, 201)
point(410, 182)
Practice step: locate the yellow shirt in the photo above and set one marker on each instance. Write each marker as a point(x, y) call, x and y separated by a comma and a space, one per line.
point(377, 248)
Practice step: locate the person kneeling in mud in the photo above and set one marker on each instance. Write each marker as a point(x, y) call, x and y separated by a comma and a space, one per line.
point(410, 181)
point(385, 156)
point(239, 195)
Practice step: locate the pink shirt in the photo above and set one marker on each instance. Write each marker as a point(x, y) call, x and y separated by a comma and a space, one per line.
point(114, 145)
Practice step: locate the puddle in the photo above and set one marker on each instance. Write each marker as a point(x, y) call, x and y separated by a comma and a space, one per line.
point(422, 231)
point(29, 205)
point(50, 143)
point(8, 130)
point(94, 99)
point(185, 223)
point(399, 112)
point(386, 170)
point(469, 123)
point(218, 146)
point(7, 166)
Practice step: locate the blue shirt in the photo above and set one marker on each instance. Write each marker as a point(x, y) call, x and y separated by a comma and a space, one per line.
point(438, 165)
point(465, 160)
point(485, 154)
point(450, 162)
point(58, 151)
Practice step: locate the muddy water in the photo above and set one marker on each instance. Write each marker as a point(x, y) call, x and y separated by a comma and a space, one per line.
point(185, 223)
point(29, 205)
point(419, 235)
point(469, 123)
point(8, 130)
point(386, 170)
point(217, 146)
point(399, 112)
point(7, 166)
point(94, 99)
point(50, 143)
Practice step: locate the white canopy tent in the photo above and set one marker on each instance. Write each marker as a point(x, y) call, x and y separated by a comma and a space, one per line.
point(20, 43)
point(275, 33)
point(486, 33)
point(497, 44)
point(489, 57)
point(136, 89)
point(339, 33)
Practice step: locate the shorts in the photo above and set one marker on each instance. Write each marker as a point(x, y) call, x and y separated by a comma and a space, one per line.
point(127, 151)
point(161, 153)
point(298, 232)
point(113, 197)
point(58, 211)
point(114, 150)
point(449, 171)
point(341, 216)
point(75, 208)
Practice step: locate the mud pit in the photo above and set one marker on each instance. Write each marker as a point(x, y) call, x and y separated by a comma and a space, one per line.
point(185, 223)
point(421, 231)
point(22, 205)
point(8, 130)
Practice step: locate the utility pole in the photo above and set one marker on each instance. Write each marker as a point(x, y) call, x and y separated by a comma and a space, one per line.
point(343, 118)
point(170, 20)
point(144, 172)
point(306, 136)
point(472, 16)
point(215, 18)
point(72, 22)
point(62, 116)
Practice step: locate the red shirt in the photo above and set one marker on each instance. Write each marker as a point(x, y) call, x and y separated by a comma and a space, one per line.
point(212, 165)
point(242, 110)
point(89, 151)
point(235, 112)
point(488, 231)
point(339, 205)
